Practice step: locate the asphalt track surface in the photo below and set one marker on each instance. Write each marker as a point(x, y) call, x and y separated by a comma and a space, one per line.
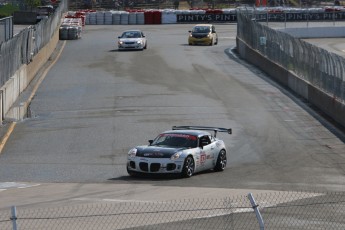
point(96, 103)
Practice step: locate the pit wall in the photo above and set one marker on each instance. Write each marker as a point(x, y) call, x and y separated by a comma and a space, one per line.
point(323, 101)
point(9, 93)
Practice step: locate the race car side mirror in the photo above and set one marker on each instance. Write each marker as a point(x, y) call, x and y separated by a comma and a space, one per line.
point(229, 131)
point(150, 141)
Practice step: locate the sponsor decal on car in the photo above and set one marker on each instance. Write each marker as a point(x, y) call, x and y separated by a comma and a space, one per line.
point(153, 154)
point(179, 135)
point(202, 158)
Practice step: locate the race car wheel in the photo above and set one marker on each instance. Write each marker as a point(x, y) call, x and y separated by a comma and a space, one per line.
point(131, 173)
point(188, 167)
point(221, 161)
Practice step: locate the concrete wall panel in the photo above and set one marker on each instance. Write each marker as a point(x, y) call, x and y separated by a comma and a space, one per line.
point(13, 109)
point(298, 85)
point(42, 57)
point(325, 102)
point(8, 95)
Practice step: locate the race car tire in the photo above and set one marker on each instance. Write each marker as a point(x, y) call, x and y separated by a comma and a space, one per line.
point(221, 161)
point(145, 47)
point(131, 173)
point(188, 167)
point(211, 43)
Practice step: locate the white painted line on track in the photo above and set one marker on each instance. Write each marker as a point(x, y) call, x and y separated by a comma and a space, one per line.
point(29, 186)
point(7, 185)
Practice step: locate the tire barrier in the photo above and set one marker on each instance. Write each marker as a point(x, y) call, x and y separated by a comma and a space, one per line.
point(195, 15)
point(70, 29)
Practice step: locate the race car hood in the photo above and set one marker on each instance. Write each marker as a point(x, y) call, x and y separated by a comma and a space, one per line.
point(156, 151)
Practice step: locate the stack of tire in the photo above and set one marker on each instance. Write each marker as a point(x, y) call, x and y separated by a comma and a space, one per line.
point(70, 29)
point(153, 17)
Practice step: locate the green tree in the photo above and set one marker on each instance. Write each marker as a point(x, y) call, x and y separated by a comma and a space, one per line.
point(7, 10)
point(32, 3)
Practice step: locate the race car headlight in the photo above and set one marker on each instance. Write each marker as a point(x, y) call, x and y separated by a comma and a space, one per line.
point(132, 152)
point(175, 156)
point(209, 35)
point(138, 42)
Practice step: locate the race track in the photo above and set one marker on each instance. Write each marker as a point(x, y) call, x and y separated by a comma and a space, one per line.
point(96, 103)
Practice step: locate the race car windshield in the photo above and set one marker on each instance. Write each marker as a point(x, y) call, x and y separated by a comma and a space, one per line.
point(175, 140)
point(131, 34)
point(201, 29)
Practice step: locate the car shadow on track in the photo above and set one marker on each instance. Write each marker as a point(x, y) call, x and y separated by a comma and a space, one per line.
point(120, 51)
point(146, 178)
point(157, 177)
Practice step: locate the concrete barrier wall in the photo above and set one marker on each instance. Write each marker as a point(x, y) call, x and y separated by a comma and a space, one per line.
point(21, 80)
point(42, 56)
point(316, 32)
point(323, 101)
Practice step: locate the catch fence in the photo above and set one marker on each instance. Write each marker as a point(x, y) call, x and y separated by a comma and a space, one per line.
point(279, 210)
point(322, 69)
point(22, 47)
point(6, 29)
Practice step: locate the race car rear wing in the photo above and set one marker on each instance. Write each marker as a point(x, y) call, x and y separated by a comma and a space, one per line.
point(215, 129)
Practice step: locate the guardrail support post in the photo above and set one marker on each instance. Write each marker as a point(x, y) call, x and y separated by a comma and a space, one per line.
point(257, 211)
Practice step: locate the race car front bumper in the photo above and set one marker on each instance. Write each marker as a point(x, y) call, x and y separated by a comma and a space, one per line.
point(154, 165)
point(199, 41)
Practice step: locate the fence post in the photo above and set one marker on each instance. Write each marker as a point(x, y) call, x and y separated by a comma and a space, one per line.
point(14, 217)
point(257, 211)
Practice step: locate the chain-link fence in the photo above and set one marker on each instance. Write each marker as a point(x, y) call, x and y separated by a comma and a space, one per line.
point(20, 49)
point(6, 29)
point(317, 66)
point(279, 210)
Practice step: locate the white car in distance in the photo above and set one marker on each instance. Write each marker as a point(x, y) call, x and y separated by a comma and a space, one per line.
point(132, 40)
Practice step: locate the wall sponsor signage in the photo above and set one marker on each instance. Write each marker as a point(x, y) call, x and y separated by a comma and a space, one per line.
point(303, 16)
point(206, 18)
point(274, 17)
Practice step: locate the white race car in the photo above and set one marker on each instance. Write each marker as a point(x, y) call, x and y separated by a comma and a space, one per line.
point(132, 39)
point(184, 150)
